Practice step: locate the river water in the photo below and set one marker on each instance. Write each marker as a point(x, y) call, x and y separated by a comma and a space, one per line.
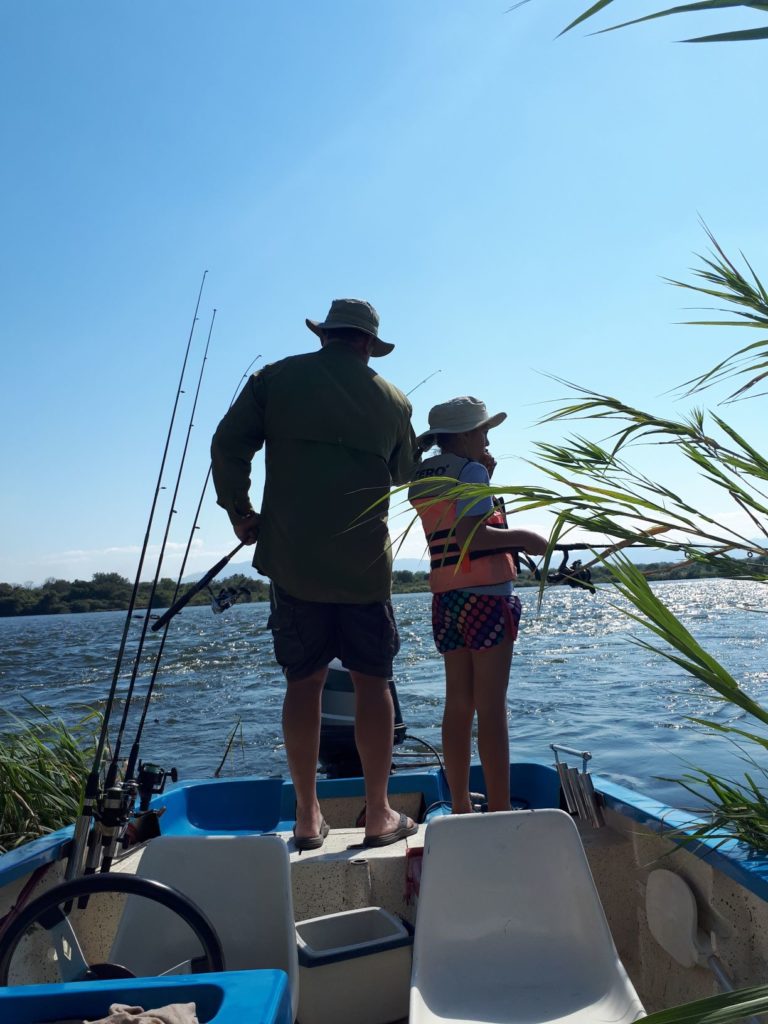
point(576, 679)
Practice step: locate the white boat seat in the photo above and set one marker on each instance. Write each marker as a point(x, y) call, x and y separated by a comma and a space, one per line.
point(241, 883)
point(510, 928)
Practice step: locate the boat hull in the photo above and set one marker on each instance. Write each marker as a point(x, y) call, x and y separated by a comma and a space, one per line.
point(730, 882)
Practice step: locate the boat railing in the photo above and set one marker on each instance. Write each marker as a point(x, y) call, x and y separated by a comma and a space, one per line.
point(578, 791)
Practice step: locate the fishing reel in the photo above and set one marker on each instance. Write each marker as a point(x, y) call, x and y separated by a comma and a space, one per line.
point(151, 780)
point(226, 597)
point(574, 575)
point(143, 823)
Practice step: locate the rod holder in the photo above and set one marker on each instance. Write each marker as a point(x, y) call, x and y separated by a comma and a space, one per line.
point(578, 791)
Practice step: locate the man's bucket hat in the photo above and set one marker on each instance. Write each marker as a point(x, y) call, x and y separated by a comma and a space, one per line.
point(353, 313)
point(459, 416)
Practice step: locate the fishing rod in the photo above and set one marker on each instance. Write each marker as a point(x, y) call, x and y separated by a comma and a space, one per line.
point(572, 575)
point(112, 773)
point(119, 796)
point(577, 575)
point(158, 781)
point(201, 584)
point(214, 571)
point(92, 786)
point(119, 801)
point(433, 374)
point(130, 768)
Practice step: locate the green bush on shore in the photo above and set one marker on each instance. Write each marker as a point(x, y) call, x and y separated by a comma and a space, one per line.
point(107, 592)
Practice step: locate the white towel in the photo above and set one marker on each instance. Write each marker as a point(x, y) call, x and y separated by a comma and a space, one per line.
point(175, 1013)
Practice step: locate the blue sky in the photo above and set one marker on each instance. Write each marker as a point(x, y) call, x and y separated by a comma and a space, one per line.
point(507, 200)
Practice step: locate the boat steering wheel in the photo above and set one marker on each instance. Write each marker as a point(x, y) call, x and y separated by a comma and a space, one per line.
point(46, 911)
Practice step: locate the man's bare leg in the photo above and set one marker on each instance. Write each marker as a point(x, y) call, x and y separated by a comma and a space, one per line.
point(301, 731)
point(374, 735)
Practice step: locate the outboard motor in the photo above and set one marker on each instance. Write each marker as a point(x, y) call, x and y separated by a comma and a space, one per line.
point(338, 753)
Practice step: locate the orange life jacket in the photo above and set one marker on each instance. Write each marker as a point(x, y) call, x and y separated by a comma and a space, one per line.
point(438, 517)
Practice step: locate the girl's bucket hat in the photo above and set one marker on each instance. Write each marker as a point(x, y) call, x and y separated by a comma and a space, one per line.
point(458, 416)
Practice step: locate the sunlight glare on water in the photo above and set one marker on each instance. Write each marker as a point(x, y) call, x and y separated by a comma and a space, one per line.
point(576, 679)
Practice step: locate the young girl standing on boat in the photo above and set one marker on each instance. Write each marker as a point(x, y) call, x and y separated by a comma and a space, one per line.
point(475, 612)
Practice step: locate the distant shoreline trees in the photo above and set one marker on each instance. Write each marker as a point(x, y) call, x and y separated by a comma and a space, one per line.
point(111, 592)
point(107, 592)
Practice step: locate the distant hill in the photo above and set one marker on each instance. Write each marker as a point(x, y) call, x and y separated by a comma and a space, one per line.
point(411, 564)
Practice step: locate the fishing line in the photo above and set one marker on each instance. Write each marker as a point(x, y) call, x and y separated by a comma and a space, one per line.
point(82, 826)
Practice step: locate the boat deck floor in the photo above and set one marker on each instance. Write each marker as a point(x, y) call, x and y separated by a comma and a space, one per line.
point(347, 844)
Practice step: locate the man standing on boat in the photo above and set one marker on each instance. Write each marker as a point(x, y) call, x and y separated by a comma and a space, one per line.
point(337, 436)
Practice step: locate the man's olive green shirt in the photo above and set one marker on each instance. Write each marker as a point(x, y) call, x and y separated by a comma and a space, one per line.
point(336, 437)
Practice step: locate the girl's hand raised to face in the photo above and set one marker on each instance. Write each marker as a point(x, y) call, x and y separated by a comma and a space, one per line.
point(488, 461)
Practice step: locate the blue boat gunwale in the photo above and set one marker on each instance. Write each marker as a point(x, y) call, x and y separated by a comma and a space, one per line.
point(35, 854)
point(736, 860)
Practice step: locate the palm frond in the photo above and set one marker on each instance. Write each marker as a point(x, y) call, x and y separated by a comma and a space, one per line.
point(701, 6)
point(750, 297)
point(743, 36)
point(726, 1008)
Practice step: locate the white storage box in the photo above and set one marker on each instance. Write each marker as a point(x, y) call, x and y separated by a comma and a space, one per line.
point(354, 968)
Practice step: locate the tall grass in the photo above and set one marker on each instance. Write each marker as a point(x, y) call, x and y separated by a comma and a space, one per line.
point(43, 767)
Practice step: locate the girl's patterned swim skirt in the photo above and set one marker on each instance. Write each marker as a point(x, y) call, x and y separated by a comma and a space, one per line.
point(474, 621)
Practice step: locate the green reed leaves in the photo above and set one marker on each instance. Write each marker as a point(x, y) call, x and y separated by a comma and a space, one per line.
point(737, 810)
point(702, 6)
point(721, 1009)
point(43, 767)
point(679, 646)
